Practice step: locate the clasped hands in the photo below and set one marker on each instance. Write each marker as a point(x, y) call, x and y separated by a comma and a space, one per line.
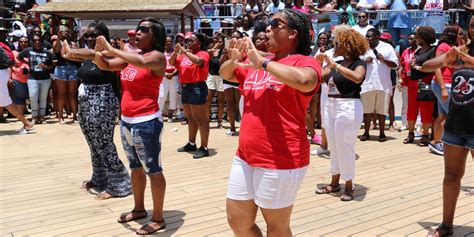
point(242, 49)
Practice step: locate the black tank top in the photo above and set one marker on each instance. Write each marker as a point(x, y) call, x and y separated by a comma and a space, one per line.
point(215, 64)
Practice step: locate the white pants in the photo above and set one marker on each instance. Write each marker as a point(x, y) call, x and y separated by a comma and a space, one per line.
point(343, 118)
point(168, 88)
point(404, 105)
point(323, 100)
point(5, 99)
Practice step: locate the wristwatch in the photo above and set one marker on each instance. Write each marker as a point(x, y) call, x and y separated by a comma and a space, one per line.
point(265, 63)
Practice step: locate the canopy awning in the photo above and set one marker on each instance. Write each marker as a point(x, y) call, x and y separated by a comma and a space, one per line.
point(120, 9)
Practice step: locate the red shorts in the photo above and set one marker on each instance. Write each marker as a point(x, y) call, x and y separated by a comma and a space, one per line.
point(425, 108)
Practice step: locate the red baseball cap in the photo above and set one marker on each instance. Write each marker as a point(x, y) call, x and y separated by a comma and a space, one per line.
point(188, 35)
point(180, 35)
point(131, 33)
point(385, 36)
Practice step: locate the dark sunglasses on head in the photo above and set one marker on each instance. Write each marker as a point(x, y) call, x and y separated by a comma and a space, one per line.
point(275, 22)
point(144, 29)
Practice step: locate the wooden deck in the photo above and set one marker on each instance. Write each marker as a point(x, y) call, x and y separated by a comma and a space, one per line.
point(398, 189)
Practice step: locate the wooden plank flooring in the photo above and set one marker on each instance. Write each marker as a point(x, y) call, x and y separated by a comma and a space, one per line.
point(398, 189)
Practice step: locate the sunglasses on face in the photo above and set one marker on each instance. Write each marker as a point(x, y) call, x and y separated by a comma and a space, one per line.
point(90, 35)
point(143, 29)
point(276, 21)
point(362, 17)
point(36, 40)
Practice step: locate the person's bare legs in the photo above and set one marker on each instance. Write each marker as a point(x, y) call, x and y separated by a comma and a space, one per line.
point(202, 120)
point(454, 167)
point(438, 128)
point(241, 217)
point(158, 188)
point(324, 140)
point(61, 87)
point(15, 112)
point(231, 105)
point(278, 221)
point(192, 124)
point(72, 97)
point(138, 178)
point(210, 95)
point(220, 106)
point(381, 118)
point(311, 116)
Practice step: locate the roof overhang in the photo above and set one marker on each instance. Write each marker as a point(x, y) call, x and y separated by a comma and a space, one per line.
point(120, 9)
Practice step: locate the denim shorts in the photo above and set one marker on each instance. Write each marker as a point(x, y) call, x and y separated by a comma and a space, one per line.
point(66, 73)
point(466, 141)
point(142, 144)
point(194, 93)
point(21, 92)
point(443, 106)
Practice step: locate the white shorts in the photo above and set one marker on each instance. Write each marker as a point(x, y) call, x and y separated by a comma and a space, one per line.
point(375, 102)
point(215, 82)
point(269, 188)
point(227, 86)
point(4, 96)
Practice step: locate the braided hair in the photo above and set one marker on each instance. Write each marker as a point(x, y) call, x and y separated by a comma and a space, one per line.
point(299, 22)
point(159, 33)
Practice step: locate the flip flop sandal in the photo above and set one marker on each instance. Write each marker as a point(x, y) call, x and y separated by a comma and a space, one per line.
point(347, 196)
point(410, 139)
point(325, 190)
point(123, 218)
point(162, 227)
point(442, 229)
point(88, 185)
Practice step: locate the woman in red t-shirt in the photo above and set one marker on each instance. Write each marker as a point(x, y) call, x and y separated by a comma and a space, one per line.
point(193, 67)
point(441, 85)
point(273, 153)
point(141, 126)
point(20, 76)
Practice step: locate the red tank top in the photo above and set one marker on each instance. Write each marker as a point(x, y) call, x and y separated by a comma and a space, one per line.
point(140, 89)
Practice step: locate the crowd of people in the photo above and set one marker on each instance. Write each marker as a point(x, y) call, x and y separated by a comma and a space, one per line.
point(264, 72)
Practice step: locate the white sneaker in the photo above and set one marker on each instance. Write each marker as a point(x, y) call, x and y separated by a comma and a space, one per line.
point(23, 131)
point(320, 151)
point(403, 128)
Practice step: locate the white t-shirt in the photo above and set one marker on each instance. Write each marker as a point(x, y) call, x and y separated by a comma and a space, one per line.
point(377, 77)
point(274, 9)
point(362, 30)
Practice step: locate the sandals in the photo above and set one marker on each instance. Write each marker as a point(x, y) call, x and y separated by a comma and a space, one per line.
point(332, 188)
point(348, 195)
point(425, 140)
point(410, 139)
point(442, 229)
point(364, 137)
point(147, 229)
point(88, 185)
point(135, 216)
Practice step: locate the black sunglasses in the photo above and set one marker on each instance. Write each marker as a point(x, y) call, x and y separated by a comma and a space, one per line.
point(275, 22)
point(362, 17)
point(90, 35)
point(144, 29)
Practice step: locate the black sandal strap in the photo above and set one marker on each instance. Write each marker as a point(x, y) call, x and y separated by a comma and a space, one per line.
point(445, 228)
